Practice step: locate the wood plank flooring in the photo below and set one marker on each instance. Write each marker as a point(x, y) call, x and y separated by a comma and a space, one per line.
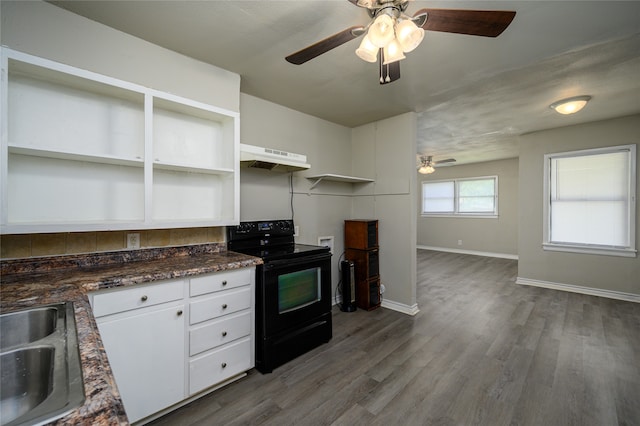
point(482, 351)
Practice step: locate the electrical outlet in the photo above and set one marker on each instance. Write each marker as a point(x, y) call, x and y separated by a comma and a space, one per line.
point(133, 240)
point(382, 288)
point(296, 231)
point(459, 242)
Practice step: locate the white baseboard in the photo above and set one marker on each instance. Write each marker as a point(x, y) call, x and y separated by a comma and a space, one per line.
point(472, 252)
point(610, 294)
point(400, 307)
point(394, 306)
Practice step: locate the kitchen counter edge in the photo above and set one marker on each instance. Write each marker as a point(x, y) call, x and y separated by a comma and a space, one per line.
point(27, 283)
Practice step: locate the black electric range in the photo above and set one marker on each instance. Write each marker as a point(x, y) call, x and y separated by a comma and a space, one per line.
point(293, 290)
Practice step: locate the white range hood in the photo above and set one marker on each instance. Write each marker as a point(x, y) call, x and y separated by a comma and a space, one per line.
point(272, 159)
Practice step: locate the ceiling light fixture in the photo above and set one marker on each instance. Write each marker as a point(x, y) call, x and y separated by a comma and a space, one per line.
point(426, 165)
point(570, 105)
point(425, 170)
point(393, 32)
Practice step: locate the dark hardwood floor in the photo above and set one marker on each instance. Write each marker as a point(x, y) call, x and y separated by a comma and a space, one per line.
point(482, 351)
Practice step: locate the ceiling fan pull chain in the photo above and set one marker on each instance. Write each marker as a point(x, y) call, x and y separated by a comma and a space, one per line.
point(381, 67)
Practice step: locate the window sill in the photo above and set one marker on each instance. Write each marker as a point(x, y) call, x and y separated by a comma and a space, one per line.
point(462, 216)
point(604, 251)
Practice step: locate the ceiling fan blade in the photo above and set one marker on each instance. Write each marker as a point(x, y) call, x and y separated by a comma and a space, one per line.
point(325, 45)
point(448, 160)
point(390, 72)
point(485, 23)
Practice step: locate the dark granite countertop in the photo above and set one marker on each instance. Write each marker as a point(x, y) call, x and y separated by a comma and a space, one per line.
point(39, 281)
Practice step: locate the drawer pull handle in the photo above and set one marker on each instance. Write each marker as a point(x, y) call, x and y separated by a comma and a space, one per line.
point(224, 334)
point(224, 365)
point(224, 283)
point(179, 312)
point(144, 298)
point(224, 306)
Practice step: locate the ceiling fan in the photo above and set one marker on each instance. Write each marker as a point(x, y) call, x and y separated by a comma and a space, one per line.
point(391, 32)
point(427, 165)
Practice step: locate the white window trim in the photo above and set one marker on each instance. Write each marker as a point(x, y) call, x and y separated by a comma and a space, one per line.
point(457, 214)
point(591, 248)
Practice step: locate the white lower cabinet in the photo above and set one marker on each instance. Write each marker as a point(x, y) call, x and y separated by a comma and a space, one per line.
point(158, 357)
point(146, 353)
point(221, 331)
point(219, 365)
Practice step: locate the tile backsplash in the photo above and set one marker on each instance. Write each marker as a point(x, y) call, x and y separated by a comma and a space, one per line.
point(34, 245)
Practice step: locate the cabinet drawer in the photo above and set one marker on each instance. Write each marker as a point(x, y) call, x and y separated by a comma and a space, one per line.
point(220, 281)
point(139, 296)
point(223, 303)
point(219, 332)
point(217, 366)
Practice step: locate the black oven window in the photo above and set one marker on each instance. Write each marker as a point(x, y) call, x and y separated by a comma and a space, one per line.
point(298, 289)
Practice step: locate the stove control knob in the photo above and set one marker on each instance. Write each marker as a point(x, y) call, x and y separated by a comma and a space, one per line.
point(244, 227)
point(284, 226)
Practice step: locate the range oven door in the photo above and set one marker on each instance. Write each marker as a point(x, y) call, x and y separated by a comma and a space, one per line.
point(292, 293)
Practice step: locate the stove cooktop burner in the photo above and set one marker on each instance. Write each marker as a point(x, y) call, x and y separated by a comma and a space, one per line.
point(284, 252)
point(269, 240)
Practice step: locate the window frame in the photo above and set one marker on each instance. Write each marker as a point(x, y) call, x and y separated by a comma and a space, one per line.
point(629, 251)
point(456, 199)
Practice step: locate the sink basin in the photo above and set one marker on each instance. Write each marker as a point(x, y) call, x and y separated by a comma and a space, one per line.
point(27, 380)
point(20, 328)
point(40, 370)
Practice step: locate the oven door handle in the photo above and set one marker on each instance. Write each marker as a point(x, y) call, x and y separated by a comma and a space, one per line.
point(272, 264)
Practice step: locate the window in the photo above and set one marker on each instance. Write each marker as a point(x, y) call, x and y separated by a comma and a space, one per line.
point(461, 197)
point(590, 201)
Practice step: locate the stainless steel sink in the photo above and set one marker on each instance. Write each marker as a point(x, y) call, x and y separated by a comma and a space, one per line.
point(27, 380)
point(40, 370)
point(22, 327)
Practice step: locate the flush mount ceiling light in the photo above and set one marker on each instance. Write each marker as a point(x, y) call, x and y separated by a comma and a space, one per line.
point(570, 105)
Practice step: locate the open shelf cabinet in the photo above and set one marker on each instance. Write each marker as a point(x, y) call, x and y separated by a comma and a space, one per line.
point(83, 151)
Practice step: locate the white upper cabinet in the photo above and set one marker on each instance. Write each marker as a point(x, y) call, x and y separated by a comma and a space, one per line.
point(82, 151)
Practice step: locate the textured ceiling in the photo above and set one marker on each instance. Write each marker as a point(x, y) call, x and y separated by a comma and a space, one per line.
point(473, 95)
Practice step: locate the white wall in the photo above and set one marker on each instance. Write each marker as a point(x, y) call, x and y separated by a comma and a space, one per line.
point(606, 273)
point(385, 150)
point(492, 236)
point(47, 31)
point(266, 194)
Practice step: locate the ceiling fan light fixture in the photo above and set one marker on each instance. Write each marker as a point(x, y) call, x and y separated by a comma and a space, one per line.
point(426, 169)
point(381, 31)
point(392, 52)
point(570, 105)
point(365, 3)
point(409, 35)
point(367, 51)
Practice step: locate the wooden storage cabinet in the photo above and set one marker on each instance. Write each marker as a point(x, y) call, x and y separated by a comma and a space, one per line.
point(361, 243)
point(361, 234)
point(366, 263)
point(82, 151)
point(368, 293)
